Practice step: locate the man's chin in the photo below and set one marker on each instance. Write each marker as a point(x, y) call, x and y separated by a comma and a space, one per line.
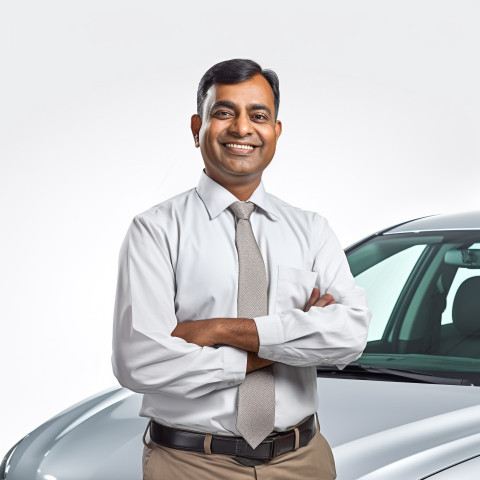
point(245, 173)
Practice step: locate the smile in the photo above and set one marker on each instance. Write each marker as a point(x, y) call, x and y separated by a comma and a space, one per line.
point(236, 145)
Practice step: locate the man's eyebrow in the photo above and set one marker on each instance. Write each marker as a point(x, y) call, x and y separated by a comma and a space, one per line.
point(258, 106)
point(223, 103)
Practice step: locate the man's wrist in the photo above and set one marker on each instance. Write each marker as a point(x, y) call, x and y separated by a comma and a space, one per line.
point(254, 362)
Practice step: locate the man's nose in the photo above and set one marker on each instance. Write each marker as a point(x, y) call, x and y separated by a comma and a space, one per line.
point(242, 125)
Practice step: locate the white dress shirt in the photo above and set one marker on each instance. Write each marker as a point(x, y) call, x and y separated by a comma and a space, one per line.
point(179, 262)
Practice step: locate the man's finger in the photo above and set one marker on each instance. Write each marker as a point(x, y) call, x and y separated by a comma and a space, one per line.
point(314, 297)
point(324, 300)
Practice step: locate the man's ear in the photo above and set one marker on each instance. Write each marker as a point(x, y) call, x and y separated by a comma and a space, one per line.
point(195, 125)
point(278, 128)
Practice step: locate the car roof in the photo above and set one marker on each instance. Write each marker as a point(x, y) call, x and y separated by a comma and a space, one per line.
point(451, 221)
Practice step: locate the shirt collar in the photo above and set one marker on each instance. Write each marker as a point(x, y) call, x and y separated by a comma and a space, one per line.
point(217, 198)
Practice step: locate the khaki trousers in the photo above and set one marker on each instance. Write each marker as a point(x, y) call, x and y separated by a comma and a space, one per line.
point(314, 461)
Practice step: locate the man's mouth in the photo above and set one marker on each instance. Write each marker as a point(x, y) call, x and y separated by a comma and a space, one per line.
point(240, 146)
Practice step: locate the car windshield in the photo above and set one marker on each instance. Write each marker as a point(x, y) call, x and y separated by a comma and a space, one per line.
point(424, 293)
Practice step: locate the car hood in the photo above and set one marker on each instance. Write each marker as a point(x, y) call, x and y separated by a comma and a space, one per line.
point(396, 430)
point(97, 439)
point(377, 430)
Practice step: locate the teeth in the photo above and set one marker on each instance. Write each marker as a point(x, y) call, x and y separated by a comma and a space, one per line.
point(244, 147)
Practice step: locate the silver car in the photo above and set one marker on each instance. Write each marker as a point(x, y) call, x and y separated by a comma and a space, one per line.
point(409, 408)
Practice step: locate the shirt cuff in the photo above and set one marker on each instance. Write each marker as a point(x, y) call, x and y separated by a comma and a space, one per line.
point(270, 333)
point(235, 366)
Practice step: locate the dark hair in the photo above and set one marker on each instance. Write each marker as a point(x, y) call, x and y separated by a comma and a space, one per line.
point(235, 71)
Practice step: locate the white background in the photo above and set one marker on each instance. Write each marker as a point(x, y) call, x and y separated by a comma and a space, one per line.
point(380, 103)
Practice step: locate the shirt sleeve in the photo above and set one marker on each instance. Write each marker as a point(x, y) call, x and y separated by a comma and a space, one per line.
point(146, 358)
point(332, 335)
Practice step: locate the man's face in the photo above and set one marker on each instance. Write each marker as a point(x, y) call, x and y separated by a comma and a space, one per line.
point(238, 132)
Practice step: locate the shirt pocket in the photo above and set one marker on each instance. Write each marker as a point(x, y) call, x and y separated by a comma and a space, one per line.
point(294, 288)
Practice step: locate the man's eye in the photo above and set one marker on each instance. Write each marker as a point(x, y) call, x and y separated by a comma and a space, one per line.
point(260, 117)
point(222, 113)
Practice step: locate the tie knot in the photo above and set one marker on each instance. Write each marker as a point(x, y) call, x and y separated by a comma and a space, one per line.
point(242, 210)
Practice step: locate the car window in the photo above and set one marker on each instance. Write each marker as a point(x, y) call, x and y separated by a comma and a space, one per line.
point(396, 269)
point(461, 275)
point(411, 282)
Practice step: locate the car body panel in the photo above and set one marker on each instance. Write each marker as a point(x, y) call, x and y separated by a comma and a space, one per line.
point(105, 429)
point(453, 221)
point(466, 469)
point(421, 429)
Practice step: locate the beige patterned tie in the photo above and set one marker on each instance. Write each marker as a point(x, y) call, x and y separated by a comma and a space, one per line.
point(256, 395)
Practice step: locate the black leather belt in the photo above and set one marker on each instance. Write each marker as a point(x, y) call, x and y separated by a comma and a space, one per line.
point(271, 447)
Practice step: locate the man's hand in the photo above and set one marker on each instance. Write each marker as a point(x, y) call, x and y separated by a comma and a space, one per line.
point(319, 301)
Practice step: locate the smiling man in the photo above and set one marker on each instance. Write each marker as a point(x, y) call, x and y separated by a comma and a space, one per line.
point(238, 134)
point(227, 298)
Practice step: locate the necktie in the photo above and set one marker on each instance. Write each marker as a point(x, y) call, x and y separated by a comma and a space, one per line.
point(256, 395)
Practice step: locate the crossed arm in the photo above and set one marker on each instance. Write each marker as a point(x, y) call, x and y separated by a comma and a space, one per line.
point(152, 353)
point(237, 332)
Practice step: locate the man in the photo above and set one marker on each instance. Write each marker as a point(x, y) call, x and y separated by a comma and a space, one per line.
point(222, 310)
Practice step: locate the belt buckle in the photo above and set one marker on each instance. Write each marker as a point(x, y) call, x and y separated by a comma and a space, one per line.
point(271, 441)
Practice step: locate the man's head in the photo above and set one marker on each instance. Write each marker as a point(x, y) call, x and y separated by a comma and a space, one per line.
point(236, 126)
